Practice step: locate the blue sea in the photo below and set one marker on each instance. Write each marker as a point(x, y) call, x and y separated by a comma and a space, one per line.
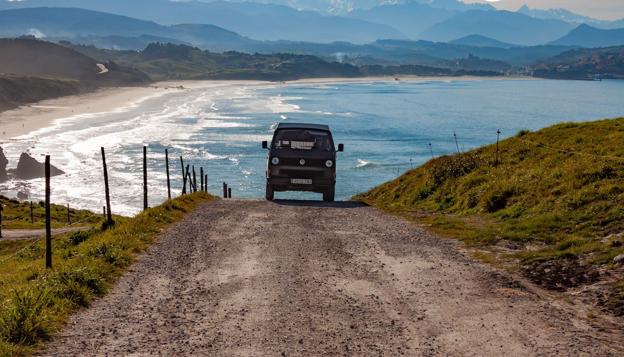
point(387, 127)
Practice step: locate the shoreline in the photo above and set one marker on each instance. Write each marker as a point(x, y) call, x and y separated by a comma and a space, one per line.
point(29, 118)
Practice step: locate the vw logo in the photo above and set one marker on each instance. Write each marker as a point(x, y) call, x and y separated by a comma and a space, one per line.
point(302, 162)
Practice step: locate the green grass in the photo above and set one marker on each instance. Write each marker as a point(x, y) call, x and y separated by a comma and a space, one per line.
point(16, 215)
point(557, 192)
point(35, 302)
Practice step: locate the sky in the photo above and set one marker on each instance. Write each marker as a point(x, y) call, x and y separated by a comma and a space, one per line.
point(601, 9)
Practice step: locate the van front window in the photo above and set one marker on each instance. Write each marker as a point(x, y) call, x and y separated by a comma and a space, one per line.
point(303, 140)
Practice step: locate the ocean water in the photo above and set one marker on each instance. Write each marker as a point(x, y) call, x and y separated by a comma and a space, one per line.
point(386, 128)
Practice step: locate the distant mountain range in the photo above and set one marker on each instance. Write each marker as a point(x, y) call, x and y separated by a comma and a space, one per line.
point(260, 21)
point(569, 16)
point(119, 32)
point(587, 36)
point(359, 21)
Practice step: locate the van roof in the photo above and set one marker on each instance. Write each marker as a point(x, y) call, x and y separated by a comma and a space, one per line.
point(302, 126)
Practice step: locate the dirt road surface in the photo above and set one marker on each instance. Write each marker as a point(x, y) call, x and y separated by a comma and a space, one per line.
point(253, 278)
point(16, 234)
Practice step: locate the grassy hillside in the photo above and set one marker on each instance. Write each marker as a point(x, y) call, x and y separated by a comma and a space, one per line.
point(584, 63)
point(16, 215)
point(15, 90)
point(33, 70)
point(553, 207)
point(35, 302)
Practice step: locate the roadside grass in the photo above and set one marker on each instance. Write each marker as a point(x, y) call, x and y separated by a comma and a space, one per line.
point(35, 302)
point(555, 194)
point(16, 215)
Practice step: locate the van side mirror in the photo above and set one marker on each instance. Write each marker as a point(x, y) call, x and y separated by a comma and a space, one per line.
point(265, 145)
point(340, 147)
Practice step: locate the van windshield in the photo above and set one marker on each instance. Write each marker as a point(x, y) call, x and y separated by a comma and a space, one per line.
point(302, 139)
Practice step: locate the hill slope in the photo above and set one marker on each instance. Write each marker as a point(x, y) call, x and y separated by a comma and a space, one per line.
point(33, 70)
point(587, 36)
point(554, 206)
point(584, 64)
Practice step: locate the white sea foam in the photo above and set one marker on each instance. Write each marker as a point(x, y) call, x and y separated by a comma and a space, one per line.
point(363, 164)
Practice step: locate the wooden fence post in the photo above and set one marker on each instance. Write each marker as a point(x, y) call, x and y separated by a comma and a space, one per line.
point(104, 213)
point(48, 223)
point(194, 180)
point(188, 178)
point(68, 215)
point(32, 216)
point(183, 176)
point(229, 192)
point(107, 209)
point(206, 183)
point(144, 177)
point(498, 132)
point(201, 177)
point(1, 220)
point(168, 182)
point(225, 190)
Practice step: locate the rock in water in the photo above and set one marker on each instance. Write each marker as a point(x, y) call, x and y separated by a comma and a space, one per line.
point(28, 168)
point(3, 165)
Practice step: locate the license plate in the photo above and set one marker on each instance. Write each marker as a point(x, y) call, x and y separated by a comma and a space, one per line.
point(301, 181)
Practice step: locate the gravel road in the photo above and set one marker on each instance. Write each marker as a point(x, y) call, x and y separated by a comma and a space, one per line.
point(17, 234)
point(256, 278)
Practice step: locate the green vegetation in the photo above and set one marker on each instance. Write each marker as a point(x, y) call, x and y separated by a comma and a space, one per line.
point(584, 64)
point(169, 61)
point(16, 215)
point(556, 195)
point(34, 302)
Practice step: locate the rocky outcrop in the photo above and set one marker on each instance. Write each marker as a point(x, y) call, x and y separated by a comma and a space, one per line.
point(28, 168)
point(3, 166)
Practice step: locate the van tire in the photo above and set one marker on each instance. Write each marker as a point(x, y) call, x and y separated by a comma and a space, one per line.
point(270, 195)
point(328, 196)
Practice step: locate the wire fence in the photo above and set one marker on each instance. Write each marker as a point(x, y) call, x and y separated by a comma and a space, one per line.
point(189, 185)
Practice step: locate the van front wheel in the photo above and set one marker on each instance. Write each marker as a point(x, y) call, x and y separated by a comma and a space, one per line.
point(328, 196)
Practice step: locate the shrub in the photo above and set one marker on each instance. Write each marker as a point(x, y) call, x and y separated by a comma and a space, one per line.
point(35, 251)
point(23, 320)
point(450, 167)
point(111, 254)
point(497, 200)
point(80, 236)
point(78, 285)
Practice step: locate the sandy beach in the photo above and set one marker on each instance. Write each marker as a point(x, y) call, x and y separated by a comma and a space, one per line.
point(28, 118)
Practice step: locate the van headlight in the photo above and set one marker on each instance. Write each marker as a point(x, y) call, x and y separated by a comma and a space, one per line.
point(275, 161)
point(329, 163)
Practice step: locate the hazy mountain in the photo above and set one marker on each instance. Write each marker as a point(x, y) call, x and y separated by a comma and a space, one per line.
point(114, 31)
point(260, 21)
point(587, 36)
point(481, 41)
point(411, 18)
point(569, 16)
point(503, 26)
point(58, 22)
